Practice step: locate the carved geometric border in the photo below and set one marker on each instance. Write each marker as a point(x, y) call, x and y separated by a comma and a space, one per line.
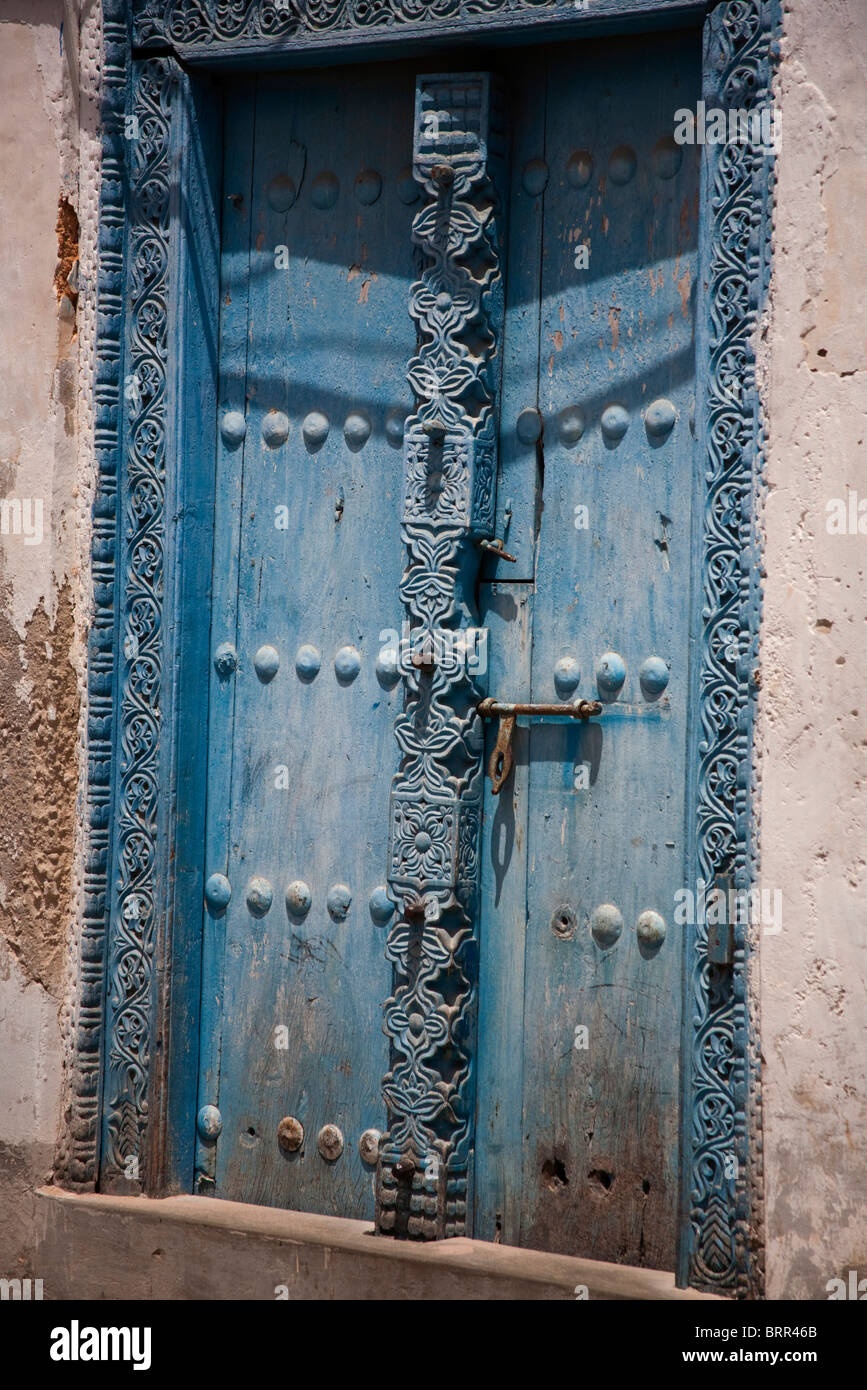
point(725, 1249)
point(139, 602)
point(78, 1156)
point(726, 1199)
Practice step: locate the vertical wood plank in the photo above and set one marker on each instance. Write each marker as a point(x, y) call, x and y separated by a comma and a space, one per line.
point(601, 1121)
point(190, 486)
point(320, 565)
point(507, 612)
point(234, 285)
point(517, 487)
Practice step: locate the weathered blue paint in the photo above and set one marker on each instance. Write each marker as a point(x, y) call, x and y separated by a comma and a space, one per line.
point(722, 1244)
point(600, 810)
point(234, 225)
point(144, 1019)
point(317, 263)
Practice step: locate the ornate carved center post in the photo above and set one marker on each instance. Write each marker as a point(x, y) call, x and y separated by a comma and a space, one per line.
point(449, 495)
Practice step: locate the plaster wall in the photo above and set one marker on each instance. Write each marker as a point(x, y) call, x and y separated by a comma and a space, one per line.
point(812, 728)
point(48, 193)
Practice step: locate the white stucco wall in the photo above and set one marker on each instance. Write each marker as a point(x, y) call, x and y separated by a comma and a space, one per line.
point(48, 153)
point(812, 727)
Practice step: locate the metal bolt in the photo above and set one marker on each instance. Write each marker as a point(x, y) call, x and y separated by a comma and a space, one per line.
point(290, 1134)
point(443, 175)
point(329, 1141)
point(368, 1145)
point(225, 660)
point(209, 1122)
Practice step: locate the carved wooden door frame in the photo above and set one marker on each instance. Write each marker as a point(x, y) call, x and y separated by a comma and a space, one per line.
point(132, 1085)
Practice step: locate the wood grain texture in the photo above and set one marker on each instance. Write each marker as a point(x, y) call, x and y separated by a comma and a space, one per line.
point(311, 760)
point(599, 1138)
point(191, 438)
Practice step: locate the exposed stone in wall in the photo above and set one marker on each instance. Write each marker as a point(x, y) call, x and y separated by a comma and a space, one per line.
point(66, 274)
point(38, 785)
point(44, 581)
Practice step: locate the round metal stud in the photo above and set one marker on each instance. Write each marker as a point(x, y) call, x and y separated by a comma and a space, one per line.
point(338, 902)
point(395, 423)
point(267, 663)
point(387, 667)
point(368, 187)
point(653, 675)
point(659, 418)
point(290, 1134)
point(380, 905)
point(356, 430)
point(324, 190)
point(209, 1122)
point(529, 426)
point(260, 896)
point(298, 898)
point(571, 425)
point(606, 924)
point(368, 1146)
point(281, 193)
point(225, 660)
point(567, 674)
point(535, 177)
point(307, 662)
point(314, 430)
point(615, 422)
point(667, 157)
point(650, 929)
point(233, 427)
point(622, 164)
point(218, 893)
point(579, 168)
point(275, 428)
point(347, 664)
point(610, 673)
point(329, 1142)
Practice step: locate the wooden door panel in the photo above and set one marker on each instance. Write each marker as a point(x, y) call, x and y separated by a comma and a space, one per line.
point(311, 743)
point(615, 364)
point(576, 1147)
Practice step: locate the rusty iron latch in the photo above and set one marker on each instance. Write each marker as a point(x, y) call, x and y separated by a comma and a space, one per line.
point(496, 547)
point(500, 762)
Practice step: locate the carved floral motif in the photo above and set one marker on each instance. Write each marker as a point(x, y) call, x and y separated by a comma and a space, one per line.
point(435, 801)
point(726, 1187)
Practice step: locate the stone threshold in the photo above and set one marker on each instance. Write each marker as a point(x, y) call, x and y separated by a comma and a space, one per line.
point(103, 1247)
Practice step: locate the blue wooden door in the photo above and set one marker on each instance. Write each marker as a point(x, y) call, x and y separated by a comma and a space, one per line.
point(314, 339)
point(574, 1064)
point(578, 1088)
